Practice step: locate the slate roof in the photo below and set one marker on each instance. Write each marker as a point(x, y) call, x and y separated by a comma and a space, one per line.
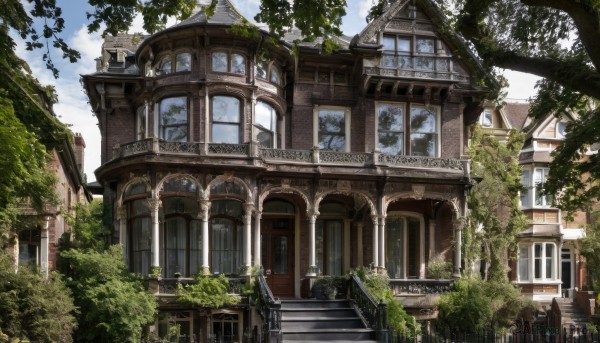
point(225, 14)
point(517, 114)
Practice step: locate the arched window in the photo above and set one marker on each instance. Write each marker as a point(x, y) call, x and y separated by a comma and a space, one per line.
point(139, 224)
point(182, 242)
point(266, 125)
point(165, 65)
point(275, 74)
point(268, 72)
point(224, 62)
point(226, 236)
point(226, 119)
point(329, 241)
point(174, 119)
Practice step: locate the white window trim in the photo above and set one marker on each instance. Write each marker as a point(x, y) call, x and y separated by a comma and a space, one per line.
point(531, 260)
point(404, 124)
point(482, 118)
point(531, 189)
point(276, 122)
point(556, 132)
point(347, 119)
point(438, 125)
point(405, 215)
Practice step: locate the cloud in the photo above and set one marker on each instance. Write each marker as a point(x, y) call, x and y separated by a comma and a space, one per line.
point(364, 7)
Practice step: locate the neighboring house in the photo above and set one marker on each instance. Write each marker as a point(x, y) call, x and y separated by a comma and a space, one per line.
point(217, 158)
point(38, 244)
point(548, 266)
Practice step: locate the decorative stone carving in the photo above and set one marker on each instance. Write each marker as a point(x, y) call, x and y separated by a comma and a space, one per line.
point(286, 155)
point(180, 147)
point(229, 149)
point(420, 162)
point(418, 191)
point(345, 158)
point(344, 185)
point(135, 148)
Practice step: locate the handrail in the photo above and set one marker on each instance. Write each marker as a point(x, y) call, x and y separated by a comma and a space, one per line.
point(374, 313)
point(269, 309)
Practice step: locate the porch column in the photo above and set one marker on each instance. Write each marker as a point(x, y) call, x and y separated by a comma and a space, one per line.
point(458, 226)
point(155, 205)
point(431, 240)
point(375, 261)
point(382, 242)
point(205, 215)
point(312, 261)
point(248, 208)
point(257, 251)
point(122, 218)
point(44, 246)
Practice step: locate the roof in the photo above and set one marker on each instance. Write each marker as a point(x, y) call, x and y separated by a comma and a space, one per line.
point(517, 114)
point(225, 14)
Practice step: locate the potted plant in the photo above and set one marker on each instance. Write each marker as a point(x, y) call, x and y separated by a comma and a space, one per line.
point(324, 288)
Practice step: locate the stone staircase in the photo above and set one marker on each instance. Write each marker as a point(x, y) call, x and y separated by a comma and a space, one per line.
point(323, 321)
point(570, 313)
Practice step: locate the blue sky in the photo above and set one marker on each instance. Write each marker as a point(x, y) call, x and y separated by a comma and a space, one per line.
point(73, 108)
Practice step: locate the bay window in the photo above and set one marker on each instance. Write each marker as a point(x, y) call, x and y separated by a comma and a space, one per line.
point(414, 52)
point(537, 262)
point(226, 62)
point(140, 236)
point(226, 120)
point(173, 123)
point(265, 123)
point(539, 177)
point(268, 72)
point(183, 62)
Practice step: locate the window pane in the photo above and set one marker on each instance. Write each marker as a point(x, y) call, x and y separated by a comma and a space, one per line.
point(389, 61)
point(537, 267)
point(261, 70)
point(141, 122)
point(523, 263)
point(561, 129)
point(184, 62)
point(391, 143)
point(425, 45)
point(525, 197)
point(487, 118)
point(224, 246)
point(139, 207)
point(389, 43)
point(173, 119)
point(265, 115)
point(195, 246)
point(332, 130)
point(424, 63)
point(334, 248)
point(280, 251)
point(394, 247)
point(422, 120)
point(219, 61)
point(226, 133)
point(275, 75)
point(226, 109)
point(141, 238)
point(175, 246)
point(238, 64)
point(391, 117)
point(265, 138)
point(165, 65)
point(549, 261)
point(404, 44)
point(405, 62)
point(423, 144)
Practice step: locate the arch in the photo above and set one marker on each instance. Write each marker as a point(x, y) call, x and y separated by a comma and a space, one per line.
point(449, 198)
point(321, 195)
point(282, 190)
point(160, 185)
point(135, 180)
point(226, 90)
point(230, 178)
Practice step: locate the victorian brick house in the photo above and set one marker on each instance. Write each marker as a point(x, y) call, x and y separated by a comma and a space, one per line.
point(218, 159)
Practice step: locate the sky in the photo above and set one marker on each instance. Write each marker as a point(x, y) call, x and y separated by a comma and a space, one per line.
point(74, 110)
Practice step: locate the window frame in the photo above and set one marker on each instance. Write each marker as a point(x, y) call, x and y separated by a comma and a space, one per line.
point(538, 264)
point(398, 58)
point(402, 105)
point(160, 69)
point(240, 123)
point(482, 120)
point(257, 128)
point(347, 124)
point(545, 200)
point(229, 55)
point(269, 67)
point(161, 126)
point(405, 216)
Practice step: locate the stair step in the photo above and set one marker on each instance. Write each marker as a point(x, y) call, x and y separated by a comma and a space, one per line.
point(287, 304)
point(321, 323)
point(324, 312)
point(344, 335)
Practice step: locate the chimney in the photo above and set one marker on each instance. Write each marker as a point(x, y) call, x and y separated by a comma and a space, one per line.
point(79, 151)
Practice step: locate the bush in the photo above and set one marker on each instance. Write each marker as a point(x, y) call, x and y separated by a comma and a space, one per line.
point(476, 306)
point(207, 291)
point(439, 268)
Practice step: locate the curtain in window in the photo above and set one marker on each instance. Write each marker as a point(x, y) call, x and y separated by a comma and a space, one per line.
point(523, 263)
point(395, 247)
point(175, 247)
point(195, 246)
point(141, 238)
point(225, 248)
point(334, 248)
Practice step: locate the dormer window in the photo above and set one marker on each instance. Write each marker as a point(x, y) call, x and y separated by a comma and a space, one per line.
point(487, 118)
point(225, 62)
point(561, 129)
point(411, 52)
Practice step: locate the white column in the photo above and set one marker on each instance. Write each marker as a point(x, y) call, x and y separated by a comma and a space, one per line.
point(44, 246)
point(458, 226)
point(375, 241)
point(205, 215)
point(155, 205)
point(422, 250)
point(347, 249)
point(257, 248)
point(248, 208)
point(312, 261)
point(431, 240)
point(382, 242)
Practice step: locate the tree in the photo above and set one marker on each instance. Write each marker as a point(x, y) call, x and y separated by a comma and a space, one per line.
point(589, 247)
point(88, 226)
point(113, 303)
point(33, 308)
point(495, 218)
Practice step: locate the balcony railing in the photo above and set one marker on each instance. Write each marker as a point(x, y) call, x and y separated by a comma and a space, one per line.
point(169, 286)
point(314, 156)
point(417, 67)
point(420, 286)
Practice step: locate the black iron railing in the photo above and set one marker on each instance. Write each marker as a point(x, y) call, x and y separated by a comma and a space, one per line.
point(269, 309)
point(373, 312)
point(420, 286)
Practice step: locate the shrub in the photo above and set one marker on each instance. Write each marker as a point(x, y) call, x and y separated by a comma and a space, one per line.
point(207, 291)
point(439, 268)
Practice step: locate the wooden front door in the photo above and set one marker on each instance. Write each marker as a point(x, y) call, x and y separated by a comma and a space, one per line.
point(277, 249)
